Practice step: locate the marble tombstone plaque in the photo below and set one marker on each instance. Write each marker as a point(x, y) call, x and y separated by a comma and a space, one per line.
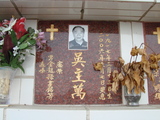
point(151, 34)
point(65, 75)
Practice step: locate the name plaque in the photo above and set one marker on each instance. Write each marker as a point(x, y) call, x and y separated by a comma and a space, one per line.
point(64, 69)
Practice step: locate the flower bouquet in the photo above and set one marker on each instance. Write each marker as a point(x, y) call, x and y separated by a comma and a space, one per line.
point(132, 74)
point(16, 42)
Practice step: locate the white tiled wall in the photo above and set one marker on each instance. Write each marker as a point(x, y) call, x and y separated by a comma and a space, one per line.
point(22, 91)
point(35, 114)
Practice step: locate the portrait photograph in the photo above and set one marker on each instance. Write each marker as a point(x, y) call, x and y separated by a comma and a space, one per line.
point(78, 37)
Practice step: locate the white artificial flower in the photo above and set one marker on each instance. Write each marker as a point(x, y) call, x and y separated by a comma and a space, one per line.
point(2, 42)
point(15, 48)
point(22, 57)
point(15, 53)
point(11, 24)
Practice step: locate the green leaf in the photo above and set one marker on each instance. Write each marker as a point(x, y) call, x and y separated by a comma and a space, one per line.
point(32, 42)
point(14, 38)
point(23, 38)
point(23, 46)
point(21, 68)
point(30, 30)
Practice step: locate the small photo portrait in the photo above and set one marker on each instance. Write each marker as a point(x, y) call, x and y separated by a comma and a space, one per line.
point(78, 37)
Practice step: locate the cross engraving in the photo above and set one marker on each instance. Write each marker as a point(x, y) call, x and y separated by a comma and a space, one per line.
point(158, 34)
point(52, 30)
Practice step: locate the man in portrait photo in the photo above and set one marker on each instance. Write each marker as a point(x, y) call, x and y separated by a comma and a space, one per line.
point(79, 39)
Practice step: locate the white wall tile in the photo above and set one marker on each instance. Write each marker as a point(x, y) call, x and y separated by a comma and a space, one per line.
point(35, 114)
point(1, 113)
point(29, 64)
point(27, 90)
point(125, 115)
point(126, 42)
point(15, 87)
point(131, 34)
point(138, 39)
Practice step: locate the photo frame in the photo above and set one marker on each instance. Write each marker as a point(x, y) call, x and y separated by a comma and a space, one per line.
point(78, 37)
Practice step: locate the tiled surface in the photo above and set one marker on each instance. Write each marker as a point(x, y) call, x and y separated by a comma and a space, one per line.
point(15, 88)
point(63, 85)
point(124, 115)
point(115, 10)
point(26, 93)
point(131, 34)
point(152, 42)
point(35, 114)
point(1, 113)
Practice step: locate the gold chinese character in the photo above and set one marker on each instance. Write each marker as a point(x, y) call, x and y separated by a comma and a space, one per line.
point(101, 51)
point(101, 45)
point(78, 91)
point(100, 40)
point(102, 96)
point(108, 58)
point(42, 64)
point(78, 72)
point(109, 88)
point(102, 82)
point(156, 73)
point(50, 76)
point(59, 71)
point(109, 69)
point(60, 64)
point(108, 40)
point(157, 88)
point(102, 90)
point(50, 96)
point(102, 76)
point(78, 59)
point(108, 51)
point(101, 58)
point(42, 70)
point(50, 70)
point(109, 96)
point(50, 64)
point(50, 57)
point(101, 35)
point(157, 96)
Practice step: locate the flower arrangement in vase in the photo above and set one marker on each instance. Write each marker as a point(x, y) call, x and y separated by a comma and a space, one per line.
point(15, 44)
point(133, 74)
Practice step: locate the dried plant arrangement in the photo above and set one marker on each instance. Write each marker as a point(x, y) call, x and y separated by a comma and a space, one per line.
point(132, 74)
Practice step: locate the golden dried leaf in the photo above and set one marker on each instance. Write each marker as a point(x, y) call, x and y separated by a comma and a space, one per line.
point(158, 57)
point(136, 77)
point(134, 51)
point(121, 60)
point(120, 76)
point(115, 86)
point(153, 58)
point(137, 90)
point(98, 66)
point(142, 51)
point(127, 84)
point(142, 86)
point(154, 66)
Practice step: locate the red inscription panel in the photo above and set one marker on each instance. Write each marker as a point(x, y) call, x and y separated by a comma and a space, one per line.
point(65, 74)
point(151, 39)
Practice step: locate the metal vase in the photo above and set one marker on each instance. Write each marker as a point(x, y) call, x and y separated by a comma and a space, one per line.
point(131, 98)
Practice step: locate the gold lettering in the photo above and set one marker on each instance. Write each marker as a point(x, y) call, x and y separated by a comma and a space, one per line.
point(78, 59)
point(78, 72)
point(102, 96)
point(78, 91)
